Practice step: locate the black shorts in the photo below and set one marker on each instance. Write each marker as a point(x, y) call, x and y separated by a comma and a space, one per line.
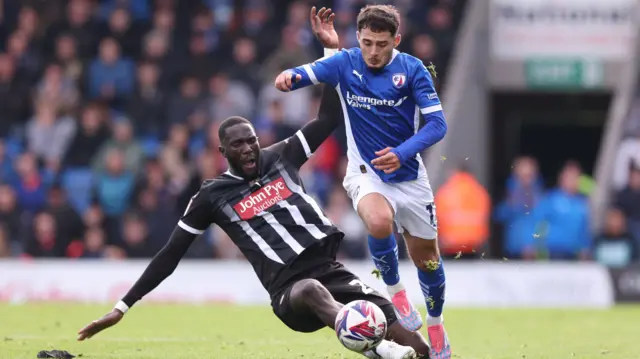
point(342, 284)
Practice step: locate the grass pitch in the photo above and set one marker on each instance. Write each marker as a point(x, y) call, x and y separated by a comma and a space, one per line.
point(229, 332)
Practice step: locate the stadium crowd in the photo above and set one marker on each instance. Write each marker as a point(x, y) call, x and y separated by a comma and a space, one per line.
point(108, 124)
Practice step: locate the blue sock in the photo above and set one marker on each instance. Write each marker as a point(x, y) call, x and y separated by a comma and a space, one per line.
point(432, 283)
point(385, 256)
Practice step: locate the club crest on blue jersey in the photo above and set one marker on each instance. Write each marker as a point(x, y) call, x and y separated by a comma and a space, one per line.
point(399, 80)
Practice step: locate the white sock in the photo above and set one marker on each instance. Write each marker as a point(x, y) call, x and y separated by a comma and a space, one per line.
point(393, 289)
point(434, 320)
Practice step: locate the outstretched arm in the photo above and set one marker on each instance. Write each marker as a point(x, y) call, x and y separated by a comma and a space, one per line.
point(162, 265)
point(299, 147)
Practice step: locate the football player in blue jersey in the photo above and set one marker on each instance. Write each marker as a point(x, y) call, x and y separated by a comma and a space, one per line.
point(383, 93)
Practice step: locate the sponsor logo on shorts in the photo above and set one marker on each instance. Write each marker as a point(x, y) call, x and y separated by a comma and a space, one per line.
point(257, 202)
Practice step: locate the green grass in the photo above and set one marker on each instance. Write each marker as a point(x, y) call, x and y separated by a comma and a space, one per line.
point(229, 332)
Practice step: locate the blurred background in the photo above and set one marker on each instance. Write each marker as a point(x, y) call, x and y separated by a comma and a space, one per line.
point(109, 112)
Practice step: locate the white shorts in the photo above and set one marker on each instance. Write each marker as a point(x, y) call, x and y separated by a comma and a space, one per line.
point(412, 201)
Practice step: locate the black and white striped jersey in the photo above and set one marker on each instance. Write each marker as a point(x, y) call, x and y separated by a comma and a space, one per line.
point(272, 220)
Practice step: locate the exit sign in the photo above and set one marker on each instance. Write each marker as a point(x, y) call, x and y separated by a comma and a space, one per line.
point(563, 73)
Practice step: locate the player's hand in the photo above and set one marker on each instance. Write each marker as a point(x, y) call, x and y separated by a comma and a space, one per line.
point(323, 29)
point(110, 319)
point(285, 81)
point(387, 161)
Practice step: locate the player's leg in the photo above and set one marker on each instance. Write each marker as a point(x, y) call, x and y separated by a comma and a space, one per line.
point(309, 295)
point(308, 306)
point(426, 256)
point(418, 223)
point(346, 287)
point(377, 213)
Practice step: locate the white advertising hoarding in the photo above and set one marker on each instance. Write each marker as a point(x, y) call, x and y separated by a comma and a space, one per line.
point(596, 29)
point(471, 284)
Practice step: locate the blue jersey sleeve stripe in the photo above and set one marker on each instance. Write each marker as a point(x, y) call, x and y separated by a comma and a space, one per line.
point(431, 109)
point(305, 144)
point(311, 74)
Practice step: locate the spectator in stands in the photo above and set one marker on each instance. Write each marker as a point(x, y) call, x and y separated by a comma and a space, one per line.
point(562, 219)
point(111, 77)
point(147, 106)
point(615, 247)
point(94, 243)
point(185, 101)
point(114, 190)
point(88, 139)
point(125, 32)
point(26, 59)
point(628, 200)
point(203, 26)
point(272, 127)
point(156, 50)
point(56, 88)
point(30, 185)
point(464, 211)
point(244, 67)
point(78, 24)
point(10, 213)
point(440, 27)
point(66, 54)
point(199, 60)
point(229, 98)
point(135, 234)
point(256, 25)
point(30, 26)
point(93, 217)
point(160, 215)
point(14, 97)
point(295, 104)
point(124, 141)
point(290, 51)
point(524, 190)
point(7, 172)
point(43, 239)
point(49, 135)
point(207, 168)
point(174, 157)
point(164, 22)
point(68, 223)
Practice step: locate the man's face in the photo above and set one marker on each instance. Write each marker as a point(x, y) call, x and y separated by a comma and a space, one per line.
point(241, 149)
point(377, 47)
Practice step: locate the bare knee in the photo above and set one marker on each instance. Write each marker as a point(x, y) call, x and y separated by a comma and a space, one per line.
point(423, 252)
point(377, 215)
point(309, 293)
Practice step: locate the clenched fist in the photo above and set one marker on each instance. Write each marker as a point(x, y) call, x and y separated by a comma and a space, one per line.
point(285, 81)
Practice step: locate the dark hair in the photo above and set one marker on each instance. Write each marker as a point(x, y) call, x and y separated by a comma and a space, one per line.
point(231, 121)
point(379, 18)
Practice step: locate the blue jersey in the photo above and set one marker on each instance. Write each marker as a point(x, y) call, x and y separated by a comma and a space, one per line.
point(382, 108)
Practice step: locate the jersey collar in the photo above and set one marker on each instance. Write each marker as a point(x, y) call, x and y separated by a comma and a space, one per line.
point(228, 173)
point(393, 56)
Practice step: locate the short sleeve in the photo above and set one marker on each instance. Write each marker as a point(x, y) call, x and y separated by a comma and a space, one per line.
point(423, 90)
point(198, 215)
